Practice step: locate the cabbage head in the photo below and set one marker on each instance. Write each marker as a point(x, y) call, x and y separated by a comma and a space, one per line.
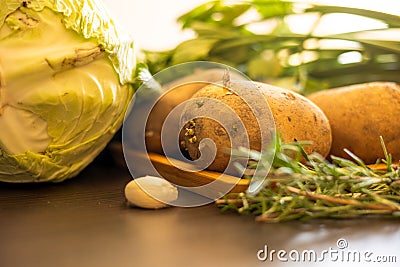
point(66, 74)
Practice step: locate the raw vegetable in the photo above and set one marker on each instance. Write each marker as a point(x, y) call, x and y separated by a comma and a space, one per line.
point(174, 93)
point(359, 115)
point(295, 117)
point(65, 75)
point(164, 105)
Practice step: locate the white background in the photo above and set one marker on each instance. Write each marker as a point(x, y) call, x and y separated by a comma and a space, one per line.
point(152, 23)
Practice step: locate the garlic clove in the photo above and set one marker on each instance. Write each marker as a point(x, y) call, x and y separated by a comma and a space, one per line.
point(150, 192)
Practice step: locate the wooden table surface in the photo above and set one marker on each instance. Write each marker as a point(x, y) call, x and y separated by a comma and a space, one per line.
point(85, 222)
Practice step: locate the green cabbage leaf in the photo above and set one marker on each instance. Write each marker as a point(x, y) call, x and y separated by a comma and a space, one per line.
point(66, 80)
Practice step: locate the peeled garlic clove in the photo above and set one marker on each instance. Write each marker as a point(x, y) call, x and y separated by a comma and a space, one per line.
point(150, 192)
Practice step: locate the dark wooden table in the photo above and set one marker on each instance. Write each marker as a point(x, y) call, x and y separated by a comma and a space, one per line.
point(85, 222)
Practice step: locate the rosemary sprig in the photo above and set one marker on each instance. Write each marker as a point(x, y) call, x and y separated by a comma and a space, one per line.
point(313, 187)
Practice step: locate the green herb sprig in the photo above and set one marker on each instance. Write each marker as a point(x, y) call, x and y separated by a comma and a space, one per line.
point(312, 187)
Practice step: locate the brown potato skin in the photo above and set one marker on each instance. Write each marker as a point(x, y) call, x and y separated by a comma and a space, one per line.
point(176, 92)
point(295, 118)
point(160, 111)
point(208, 128)
point(359, 114)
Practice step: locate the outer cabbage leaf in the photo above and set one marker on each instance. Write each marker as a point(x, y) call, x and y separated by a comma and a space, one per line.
point(65, 84)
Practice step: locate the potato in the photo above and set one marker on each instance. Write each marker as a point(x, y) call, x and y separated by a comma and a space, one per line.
point(165, 104)
point(296, 118)
point(359, 114)
point(177, 92)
